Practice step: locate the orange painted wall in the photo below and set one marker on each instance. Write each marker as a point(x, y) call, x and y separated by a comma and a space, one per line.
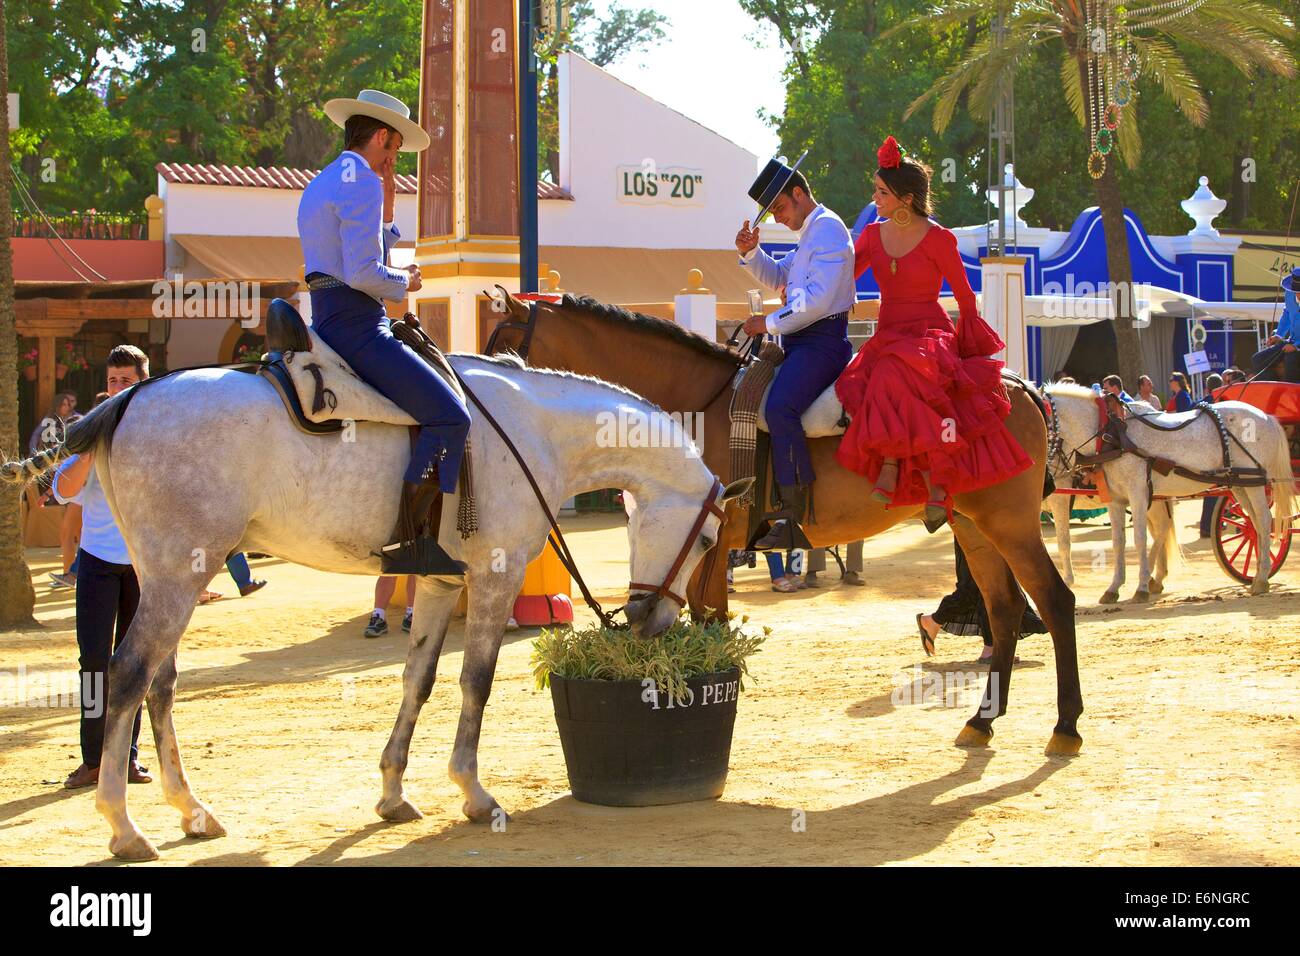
point(35, 259)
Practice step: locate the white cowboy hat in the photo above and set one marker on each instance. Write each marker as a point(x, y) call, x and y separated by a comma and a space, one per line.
point(386, 109)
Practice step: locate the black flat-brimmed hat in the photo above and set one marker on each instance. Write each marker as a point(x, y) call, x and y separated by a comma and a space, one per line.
point(774, 177)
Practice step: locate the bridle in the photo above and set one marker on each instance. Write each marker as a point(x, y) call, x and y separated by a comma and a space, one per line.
point(527, 327)
point(1068, 460)
point(561, 547)
point(710, 506)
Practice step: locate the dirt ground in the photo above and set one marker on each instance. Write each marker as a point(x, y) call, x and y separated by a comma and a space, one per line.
point(1191, 753)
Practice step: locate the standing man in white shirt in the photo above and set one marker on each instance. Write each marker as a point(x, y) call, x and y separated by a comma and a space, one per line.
point(816, 278)
point(107, 590)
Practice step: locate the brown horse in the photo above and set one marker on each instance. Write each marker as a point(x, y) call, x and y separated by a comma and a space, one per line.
point(998, 527)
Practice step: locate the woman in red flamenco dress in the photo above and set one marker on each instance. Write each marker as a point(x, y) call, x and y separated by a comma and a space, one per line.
point(927, 404)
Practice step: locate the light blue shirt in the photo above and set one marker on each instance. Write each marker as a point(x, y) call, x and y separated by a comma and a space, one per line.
point(99, 534)
point(817, 273)
point(1286, 326)
point(340, 229)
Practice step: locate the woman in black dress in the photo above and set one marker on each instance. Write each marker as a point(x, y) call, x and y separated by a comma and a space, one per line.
point(962, 612)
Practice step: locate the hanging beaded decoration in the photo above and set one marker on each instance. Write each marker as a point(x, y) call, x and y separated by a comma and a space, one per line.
point(1113, 65)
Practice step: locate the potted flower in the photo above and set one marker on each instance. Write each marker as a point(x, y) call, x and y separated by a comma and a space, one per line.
point(248, 353)
point(27, 364)
point(646, 722)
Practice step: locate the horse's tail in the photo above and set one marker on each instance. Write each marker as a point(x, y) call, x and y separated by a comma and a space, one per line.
point(1167, 542)
point(85, 434)
point(1277, 464)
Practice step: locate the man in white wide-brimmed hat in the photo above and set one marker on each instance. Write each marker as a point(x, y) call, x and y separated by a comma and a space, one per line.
point(345, 222)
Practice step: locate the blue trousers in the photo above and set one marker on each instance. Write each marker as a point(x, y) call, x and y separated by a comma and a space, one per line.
point(812, 363)
point(353, 324)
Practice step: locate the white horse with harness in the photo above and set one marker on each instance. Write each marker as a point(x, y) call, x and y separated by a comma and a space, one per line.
point(205, 462)
point(1149, 455)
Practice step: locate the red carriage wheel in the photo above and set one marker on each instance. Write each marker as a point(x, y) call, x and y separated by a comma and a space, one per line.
point(1236, 544)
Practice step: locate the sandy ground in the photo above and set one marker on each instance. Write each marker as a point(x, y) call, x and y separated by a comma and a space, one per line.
point(1191, 753)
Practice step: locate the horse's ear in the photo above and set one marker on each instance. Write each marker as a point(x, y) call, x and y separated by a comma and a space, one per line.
point(518, 310)
point(736, 488)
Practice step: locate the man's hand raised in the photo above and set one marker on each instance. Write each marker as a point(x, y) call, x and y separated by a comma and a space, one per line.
point(746, 239)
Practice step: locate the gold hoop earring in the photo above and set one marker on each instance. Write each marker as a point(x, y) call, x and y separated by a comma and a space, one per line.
point(902, 217)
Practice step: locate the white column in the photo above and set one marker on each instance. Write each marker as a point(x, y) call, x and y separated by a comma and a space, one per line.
point(696, 308)
point(1004, 307)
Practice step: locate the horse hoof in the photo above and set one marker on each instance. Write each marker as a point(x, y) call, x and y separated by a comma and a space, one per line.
point(1155, 587)
point(1141, 597)
point(1110, 597)
point(404, 811)
point(135, 848)
point(488, 813)
point(973, 737)
point(203, 825)
point(1063, 745)
point(1259, 587)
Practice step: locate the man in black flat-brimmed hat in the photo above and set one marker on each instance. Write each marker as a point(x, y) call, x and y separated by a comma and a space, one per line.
point(816, 279)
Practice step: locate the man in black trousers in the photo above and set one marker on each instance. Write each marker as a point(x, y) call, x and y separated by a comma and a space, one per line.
point(107, 591)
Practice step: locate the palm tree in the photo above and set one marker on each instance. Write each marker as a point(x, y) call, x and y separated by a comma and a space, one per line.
point(16, 596)
point(1249, 34)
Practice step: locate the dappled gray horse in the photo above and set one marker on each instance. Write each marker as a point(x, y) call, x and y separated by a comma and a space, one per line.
point(206, 462)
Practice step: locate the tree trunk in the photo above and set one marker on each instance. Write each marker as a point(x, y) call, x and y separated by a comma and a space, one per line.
point(17, 599)
point(1123, 296)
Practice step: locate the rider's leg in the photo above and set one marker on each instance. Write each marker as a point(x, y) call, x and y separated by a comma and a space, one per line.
point(886, 482)
point(807, 370)
point(353, 324)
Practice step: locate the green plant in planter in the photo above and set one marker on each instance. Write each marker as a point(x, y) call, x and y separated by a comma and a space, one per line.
point(687, 649)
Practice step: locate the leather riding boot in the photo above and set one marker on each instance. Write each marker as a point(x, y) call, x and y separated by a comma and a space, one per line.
point(414, 547)
point(785, 532)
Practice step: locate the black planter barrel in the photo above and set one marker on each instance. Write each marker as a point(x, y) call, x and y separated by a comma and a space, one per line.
point(626, 745)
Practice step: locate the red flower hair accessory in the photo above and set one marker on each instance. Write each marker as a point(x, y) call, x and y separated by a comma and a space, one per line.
point(890, 155)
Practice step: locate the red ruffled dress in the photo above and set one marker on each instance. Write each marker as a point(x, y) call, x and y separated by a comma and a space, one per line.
point(921, 391)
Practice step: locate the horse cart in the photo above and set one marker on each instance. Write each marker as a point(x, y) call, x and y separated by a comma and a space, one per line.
point(1234, 537)
point(1236, 544)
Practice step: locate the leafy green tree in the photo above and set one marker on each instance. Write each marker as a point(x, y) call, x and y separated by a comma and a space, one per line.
point(1248, 34)
point(602, 40)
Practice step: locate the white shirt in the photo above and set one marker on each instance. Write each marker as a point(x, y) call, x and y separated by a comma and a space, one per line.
point(99, 534)
point(817, 273)
point(339, 227)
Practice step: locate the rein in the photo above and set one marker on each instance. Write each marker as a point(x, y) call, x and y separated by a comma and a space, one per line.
point(561, 547)
point(1228, 476)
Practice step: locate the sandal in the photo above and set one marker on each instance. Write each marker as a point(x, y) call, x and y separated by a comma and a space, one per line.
point(927, 642)
point(207, 597)
point(880, 493)
point(784, 585)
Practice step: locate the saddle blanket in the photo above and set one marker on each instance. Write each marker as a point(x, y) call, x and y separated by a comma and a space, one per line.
point(326, 383)
point(823, 418)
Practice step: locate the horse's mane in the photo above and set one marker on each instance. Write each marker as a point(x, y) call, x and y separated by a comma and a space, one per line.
point(615, 314)
point(1070, 390)
point(512, 360)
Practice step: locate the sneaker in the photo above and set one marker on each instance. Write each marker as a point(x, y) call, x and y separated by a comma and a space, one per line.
point(406, 621)
point(62, 581)
point(853, 578)
point(377, 627)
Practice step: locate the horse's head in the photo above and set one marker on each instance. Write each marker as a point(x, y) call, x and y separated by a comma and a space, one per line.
point(512, 332)
point(669, 536)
